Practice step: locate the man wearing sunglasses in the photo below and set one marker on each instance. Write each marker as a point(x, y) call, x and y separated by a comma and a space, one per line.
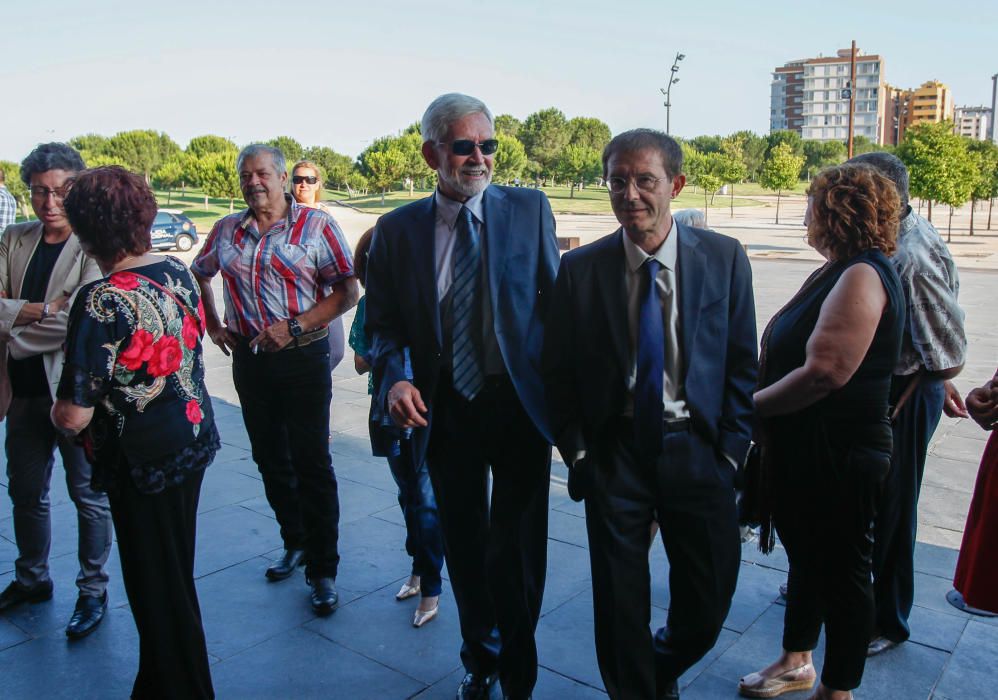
point(41, 267)
point(461, 279)
point(650, 362)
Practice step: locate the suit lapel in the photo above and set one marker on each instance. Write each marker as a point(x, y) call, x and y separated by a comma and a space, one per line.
point(63, 280)
point(613, 293)
point(691, 269)
point(21, 252)
point(498, 241)
point(423, 249)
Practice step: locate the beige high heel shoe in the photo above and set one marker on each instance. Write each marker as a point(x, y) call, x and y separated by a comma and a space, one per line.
point(756, 685)
point(424, 616)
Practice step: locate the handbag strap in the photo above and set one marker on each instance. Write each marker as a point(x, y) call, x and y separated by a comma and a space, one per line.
point(184, 305)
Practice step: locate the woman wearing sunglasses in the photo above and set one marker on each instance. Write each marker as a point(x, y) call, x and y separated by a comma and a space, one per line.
point(306, 188)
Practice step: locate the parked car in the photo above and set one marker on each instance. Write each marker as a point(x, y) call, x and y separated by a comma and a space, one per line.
point(172, 229)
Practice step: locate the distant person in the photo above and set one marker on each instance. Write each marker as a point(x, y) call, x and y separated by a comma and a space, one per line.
point(649, 365)
point(8, 205)
point(976, 577)
point(423, 541)
point(41, 269)
point(691, 217)
point(822, 413)
point(287, 272)
point(306, 188)
point(932, 353)
point(134, 380)
point(461, 279)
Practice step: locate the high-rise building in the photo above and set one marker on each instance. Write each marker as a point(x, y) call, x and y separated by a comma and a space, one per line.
point(811, 96)
point(972, 122)
point(930, 103)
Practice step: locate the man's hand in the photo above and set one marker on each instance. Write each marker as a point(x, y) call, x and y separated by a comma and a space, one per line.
point(982, 404)
point(222, 337)
point(405, 405)
point(272, 338)
point(953, 405)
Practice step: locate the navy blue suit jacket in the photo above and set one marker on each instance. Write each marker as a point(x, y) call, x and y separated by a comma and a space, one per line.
point(587, 351)
point(403, 310)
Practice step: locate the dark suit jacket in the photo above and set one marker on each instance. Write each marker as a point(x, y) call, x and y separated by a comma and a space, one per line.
point(521, 252)
point(587, 350)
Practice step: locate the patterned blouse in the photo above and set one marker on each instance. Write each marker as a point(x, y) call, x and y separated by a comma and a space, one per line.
point(134, 355)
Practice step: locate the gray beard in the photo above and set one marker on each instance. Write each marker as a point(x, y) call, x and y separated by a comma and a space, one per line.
point(463, 188)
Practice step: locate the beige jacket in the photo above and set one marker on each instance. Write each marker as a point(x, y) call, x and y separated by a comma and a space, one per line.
point(72, 270)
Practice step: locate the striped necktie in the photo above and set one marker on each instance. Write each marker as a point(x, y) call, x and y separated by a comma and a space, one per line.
point(468, 376)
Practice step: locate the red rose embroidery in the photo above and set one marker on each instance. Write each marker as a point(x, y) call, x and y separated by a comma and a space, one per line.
point(139, 350)
point(190, 332)
point(124, 280)
point(194, 414)
point(166, 357)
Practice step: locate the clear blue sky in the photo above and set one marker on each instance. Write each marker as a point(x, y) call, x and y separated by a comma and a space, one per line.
point(343, 73)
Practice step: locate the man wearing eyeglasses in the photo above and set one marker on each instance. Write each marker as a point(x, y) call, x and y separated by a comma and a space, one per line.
point(41, 267)
point(649, 363)
point(461, 279)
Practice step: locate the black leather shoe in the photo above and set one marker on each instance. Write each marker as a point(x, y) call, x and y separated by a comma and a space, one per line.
point(88, 614)
point(286, 565)
point(670, 693)
point(475, 686)
point(324, 595)
point(15, 594)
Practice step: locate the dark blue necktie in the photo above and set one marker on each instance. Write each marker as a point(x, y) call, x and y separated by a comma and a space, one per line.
point(650, 364)
point(468, 376)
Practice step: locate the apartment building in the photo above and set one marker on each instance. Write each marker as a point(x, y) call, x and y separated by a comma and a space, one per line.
point(930, 103)
point(972, 122)
point(811, 96)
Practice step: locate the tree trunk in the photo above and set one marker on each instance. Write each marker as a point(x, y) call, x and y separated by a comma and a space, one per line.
point(206, 202)
point(732, 200)
point(705, 208)
point(991, 203)
point(930, 211)
point(232, 204)
point(973, 203)
point(571, 190)
point(382, 198)
point(919, 206)
point(949, 228)
point(778, 193)
point(412, 183)
point(169, 197)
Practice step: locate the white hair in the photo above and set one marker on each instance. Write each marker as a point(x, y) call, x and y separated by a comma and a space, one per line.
point(690, 217)
point(255, 149)
point(447, 109)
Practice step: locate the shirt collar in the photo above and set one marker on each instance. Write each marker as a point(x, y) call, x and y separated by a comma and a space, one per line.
point(666, 253)
point(909, 222)
point(294, 209)
point(448, 209)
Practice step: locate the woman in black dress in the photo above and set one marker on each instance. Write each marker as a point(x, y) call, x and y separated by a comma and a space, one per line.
point(134, 378)
point(825, 374)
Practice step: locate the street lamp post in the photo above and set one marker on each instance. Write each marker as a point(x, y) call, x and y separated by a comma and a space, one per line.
point(994, 95)
point(668, 89)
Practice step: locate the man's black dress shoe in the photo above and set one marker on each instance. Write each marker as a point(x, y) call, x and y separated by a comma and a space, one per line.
point(670, 693)
point(15, 594)
point(286, 565)
point(475, 686)
point(324, 595)
point(88, 614)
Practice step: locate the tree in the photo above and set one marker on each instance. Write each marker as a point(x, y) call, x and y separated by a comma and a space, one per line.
point(588, 132)
point(209, 143)
point(985, 158)
point(753, 149)
point(335, 166)
point(355, 181)
point(387, 167)
point(732, 168)
point(939, 168)
point(169, 175)
point(781, 171)
point(544, 135)
point(291, 149)
point(818, 155)
point(707, 144)
point(411, 144)
point(141, 150)
point(576, 164)
point(791, 138)
point(862, 144)
point(102, 160)
point(218, 176)
point(12, 181)
point(89, 143)
point(508, 124)
point(510, 160)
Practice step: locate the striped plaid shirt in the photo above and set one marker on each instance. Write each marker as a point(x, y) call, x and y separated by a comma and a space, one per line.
point(272, 277)
point(8, 208)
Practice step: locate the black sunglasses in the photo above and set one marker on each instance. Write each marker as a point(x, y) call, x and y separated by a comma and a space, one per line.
point(465, 147)
point(310, 179)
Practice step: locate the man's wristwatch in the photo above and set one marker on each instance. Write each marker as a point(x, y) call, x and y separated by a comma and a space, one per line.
point(294, 328)
point(45, 311)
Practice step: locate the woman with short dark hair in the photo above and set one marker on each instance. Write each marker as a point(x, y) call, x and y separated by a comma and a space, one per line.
point(134, 379)
point(825, 375)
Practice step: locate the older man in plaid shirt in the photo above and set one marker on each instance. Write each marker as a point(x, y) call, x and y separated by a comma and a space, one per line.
point(8, 205)
point(287, 272)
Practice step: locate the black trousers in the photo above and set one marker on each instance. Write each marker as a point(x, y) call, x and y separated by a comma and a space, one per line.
point(156, 535)
point(496, 552)
point(689, 490)
point(285, 403)
point(897, 515)
point(826, 504)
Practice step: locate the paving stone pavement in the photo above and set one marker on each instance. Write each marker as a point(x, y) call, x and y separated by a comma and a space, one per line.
point(264, 641)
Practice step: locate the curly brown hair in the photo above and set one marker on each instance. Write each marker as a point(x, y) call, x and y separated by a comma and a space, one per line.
point(853, 208)
point(111, 211)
